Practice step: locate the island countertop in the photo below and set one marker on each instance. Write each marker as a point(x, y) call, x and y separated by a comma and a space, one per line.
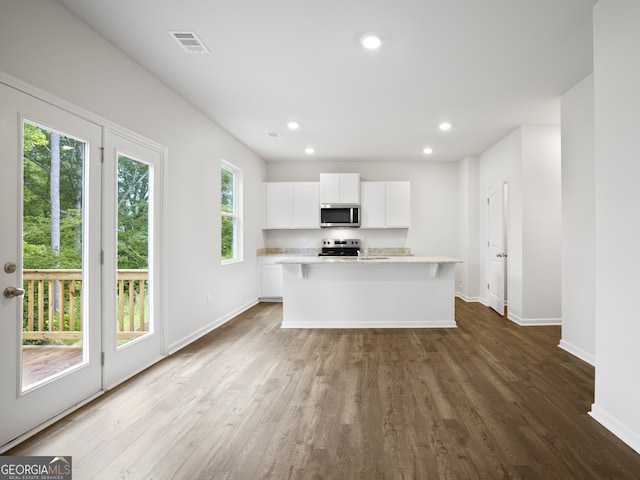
point(376, 260)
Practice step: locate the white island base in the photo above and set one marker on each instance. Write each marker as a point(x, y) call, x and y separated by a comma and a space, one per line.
point(337, 293)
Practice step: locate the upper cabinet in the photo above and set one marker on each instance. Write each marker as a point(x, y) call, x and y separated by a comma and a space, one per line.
point(385, 205)
point(277, 205)
point(340, 188)
point(372, 204)
point(306, 205)
point(290, 205)
point(287, 205)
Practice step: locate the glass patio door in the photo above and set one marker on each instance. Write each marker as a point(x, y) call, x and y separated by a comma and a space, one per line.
point(132, 329)
point(50, 307)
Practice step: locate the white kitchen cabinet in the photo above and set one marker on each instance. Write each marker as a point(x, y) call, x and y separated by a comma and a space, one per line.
point(340, 188)
point(306, 205)
point(385, 204)
point(288, 205)
point(372, 207)
point(271, 277)
point(277, 205)
point(398, 205)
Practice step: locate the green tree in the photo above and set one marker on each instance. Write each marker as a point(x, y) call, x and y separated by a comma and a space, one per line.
point(227, 224)
point(52, 223)
point(133, 213)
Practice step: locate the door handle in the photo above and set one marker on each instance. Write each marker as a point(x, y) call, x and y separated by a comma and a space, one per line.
point(501, 255)
point(11, 292)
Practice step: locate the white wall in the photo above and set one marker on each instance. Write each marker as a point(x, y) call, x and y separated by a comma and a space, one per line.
point(467, 273)
point(44, 45)
point(578, 222)
point(542, 225)
point(617, 172)
point(434, 205)
point(529, 160)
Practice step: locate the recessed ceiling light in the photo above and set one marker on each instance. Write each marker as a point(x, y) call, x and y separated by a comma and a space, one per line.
point(309, 150)
point(427, 150)
point(444, 126)
point(293, 125)
point(371, 42)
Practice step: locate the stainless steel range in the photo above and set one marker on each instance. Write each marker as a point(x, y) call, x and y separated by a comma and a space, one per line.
point(340, 247)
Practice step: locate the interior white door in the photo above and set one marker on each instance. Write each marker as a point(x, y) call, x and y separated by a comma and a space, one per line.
point(50, 341)
point(496, 255)
point(132, 325)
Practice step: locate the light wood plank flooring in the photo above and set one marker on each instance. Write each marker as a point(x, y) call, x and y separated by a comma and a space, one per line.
point(488, 400)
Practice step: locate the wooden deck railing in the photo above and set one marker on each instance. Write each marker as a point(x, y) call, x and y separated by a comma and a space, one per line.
point(43, 321)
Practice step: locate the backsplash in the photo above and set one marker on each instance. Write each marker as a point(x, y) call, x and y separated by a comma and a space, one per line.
point(289, 251)
point(389, 252)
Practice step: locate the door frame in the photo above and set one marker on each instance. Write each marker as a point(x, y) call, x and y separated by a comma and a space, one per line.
point(160, 254)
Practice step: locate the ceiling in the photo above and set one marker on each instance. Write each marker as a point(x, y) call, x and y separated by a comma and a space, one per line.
point(485, 66)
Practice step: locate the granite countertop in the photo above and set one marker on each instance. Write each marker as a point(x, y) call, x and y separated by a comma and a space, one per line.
point(372, 259)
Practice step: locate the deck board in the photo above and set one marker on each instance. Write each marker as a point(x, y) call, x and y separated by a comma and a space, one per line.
point(41, 361)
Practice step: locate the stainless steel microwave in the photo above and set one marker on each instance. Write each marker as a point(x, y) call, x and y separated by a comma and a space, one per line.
point(339, 215)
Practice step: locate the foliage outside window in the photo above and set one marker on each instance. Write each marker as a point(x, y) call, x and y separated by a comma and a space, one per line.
point(231, 178)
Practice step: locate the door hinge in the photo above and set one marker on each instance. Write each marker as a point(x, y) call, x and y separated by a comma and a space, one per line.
point(488, 201)
point(101, 154)
point(102, 359)
point(487, 286)
point(101, 257)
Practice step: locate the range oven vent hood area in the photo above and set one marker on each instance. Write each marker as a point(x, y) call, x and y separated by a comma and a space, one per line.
point(340, 215)
point(339, 200)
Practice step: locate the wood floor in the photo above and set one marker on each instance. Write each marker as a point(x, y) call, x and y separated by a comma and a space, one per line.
point(488, 400)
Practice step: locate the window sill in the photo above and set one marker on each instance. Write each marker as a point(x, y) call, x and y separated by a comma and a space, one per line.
point(231, 261)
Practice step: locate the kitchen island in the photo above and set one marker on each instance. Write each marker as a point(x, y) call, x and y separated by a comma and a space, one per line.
point(377, 292)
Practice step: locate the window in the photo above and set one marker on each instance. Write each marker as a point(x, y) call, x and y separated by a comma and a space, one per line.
point(231, 213)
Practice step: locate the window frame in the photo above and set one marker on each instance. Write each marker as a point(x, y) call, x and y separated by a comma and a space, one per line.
point(236, 214)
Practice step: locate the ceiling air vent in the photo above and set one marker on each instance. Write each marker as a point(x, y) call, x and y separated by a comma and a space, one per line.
point(190, 42)
point(274, 135)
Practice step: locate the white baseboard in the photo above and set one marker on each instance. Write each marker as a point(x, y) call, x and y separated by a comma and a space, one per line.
point(615, 426)
point(462, 296)
point(533, 322)
point(270, 299)
point(174, 347)
point(401, 324)
point(578, 352)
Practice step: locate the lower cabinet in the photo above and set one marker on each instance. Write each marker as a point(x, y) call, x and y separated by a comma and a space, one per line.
point(271, 278)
